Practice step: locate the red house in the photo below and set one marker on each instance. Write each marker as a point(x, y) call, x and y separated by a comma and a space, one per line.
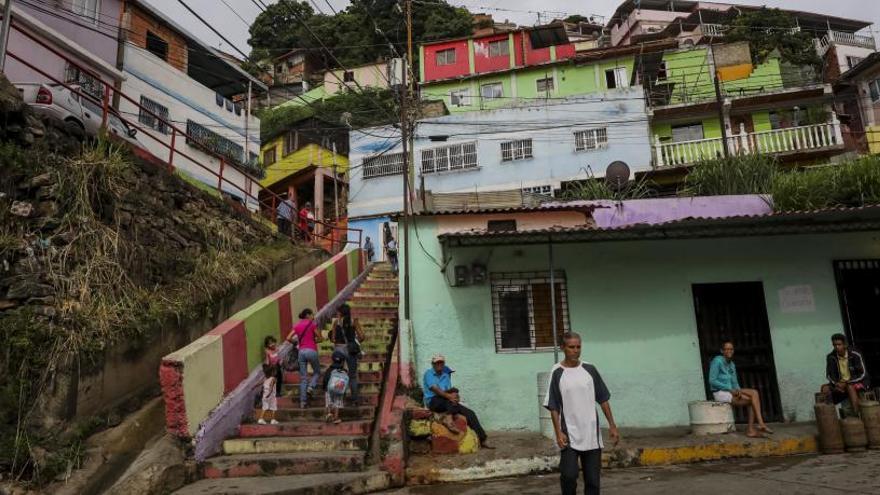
point(525, 47)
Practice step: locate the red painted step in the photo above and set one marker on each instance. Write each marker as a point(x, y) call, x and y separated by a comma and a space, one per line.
point(318, 400)
point(305, 429)
point(317, 413)
point(292, 377)
point(250, 465)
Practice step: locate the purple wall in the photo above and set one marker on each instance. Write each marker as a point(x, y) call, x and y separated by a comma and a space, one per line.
point(611, 214)
point(96, 36)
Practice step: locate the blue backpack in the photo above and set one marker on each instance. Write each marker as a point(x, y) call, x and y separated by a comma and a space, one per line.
point(338, 382)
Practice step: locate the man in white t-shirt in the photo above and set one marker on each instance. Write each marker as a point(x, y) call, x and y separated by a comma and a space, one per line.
point(575, 389)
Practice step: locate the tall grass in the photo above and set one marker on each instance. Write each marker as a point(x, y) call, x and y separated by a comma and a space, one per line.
point(853, 183)
point(595, 189)
point(744, 174)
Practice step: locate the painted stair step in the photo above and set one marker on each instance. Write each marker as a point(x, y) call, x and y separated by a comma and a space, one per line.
point(305, 429)
point(300, 484)
point(291, 401)
point(368, 347)
point(369, 358)
point(292, 377)
point(317, 413)
point(264, 445)
point(245, 465)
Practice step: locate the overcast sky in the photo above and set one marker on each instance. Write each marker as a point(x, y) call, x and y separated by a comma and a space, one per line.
point(232, 17)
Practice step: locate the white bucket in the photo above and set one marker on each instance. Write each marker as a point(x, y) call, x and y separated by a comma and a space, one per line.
point(546, 422)
point(710, 418)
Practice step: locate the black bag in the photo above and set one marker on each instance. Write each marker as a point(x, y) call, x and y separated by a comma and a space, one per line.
point(354, 348)
point(291, 361)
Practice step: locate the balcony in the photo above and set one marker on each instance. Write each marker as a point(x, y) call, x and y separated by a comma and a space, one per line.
point(791, 140)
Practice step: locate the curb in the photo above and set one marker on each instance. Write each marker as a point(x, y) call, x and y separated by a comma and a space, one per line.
point(619, 458)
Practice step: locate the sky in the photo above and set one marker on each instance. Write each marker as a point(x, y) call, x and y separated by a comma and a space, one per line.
point(232, 17)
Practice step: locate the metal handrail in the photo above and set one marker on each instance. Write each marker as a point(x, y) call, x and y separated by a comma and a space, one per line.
point(104, 103)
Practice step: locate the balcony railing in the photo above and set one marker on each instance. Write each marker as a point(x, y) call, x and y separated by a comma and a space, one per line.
point(812, 137)
point(853, 39)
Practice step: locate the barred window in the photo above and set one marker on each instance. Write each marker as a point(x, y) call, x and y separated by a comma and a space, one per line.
point(499, 48)
point(148, 119)
point(522, 310)
point(449, 158)
point(197, 133)
point(590, 139)
point(492, 91)
point(382, 165)
point(445, 57)
point(546, 190)
point(544, 85)
point(460, 97)
point(88, 83)
point(516, 150)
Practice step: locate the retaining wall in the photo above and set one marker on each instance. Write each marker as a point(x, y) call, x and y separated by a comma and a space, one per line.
point(205, 374)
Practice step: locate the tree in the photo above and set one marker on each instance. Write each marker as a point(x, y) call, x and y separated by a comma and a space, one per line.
point(771, 31)
point(362, 33)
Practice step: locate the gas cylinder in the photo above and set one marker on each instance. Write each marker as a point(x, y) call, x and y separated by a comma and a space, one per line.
point(871, 418)
point(854, 437)
point(830, 435)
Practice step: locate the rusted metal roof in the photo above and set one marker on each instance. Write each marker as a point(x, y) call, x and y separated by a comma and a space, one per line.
point(512, 209)
point(828, 220)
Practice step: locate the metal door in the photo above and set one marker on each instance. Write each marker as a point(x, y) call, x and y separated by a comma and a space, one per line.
point(737, 312)
point(858, 287)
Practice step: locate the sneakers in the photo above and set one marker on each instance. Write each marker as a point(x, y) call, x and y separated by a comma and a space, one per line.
point(273, 422)
point(261, 421)
point(310, 391)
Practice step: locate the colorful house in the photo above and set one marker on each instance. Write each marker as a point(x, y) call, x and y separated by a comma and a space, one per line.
point(653, 286)
point(309, 163)
point(858, 96)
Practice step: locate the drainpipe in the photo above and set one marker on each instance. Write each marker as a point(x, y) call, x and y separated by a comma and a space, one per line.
point(556, 335)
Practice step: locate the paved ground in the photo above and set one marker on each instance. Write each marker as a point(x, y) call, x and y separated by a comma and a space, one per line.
point(804, 475)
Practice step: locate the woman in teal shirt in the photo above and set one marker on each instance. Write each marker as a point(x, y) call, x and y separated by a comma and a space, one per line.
point(725, 388)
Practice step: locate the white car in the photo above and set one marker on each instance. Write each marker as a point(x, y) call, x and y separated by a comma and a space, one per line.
point(59, 102)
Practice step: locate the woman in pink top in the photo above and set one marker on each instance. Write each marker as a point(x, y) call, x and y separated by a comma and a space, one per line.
point(306, 333)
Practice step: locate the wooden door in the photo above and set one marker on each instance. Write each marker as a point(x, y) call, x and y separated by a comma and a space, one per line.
point(737, 312)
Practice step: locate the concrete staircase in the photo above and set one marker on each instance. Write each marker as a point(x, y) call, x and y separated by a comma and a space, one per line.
point(303, 454)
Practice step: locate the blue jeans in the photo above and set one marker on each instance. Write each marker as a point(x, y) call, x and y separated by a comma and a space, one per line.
point(352, 365)
point(306, 357)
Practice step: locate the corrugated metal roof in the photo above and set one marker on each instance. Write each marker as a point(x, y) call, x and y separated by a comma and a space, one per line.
point(836, 219)
point(511, 209)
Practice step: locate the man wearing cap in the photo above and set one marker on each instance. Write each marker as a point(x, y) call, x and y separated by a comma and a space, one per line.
point(442, 397)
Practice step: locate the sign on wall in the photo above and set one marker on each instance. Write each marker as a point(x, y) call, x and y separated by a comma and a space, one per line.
point(797, 299)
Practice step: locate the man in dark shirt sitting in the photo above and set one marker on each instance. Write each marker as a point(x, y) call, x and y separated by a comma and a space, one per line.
point(845, 370)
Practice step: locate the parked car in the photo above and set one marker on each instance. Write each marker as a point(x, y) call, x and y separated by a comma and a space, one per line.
point(78, 112)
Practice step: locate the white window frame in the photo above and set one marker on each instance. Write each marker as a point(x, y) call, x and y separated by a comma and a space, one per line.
point(500, 47)
point(874, 90)
point(492, 86)
point(620, 78)
point(519, 149)
point(450, 158)
point(149, 120)
point(545, 190)
point(545, 80)
point(382, 165)
point(591, 139)
point(460, 97)
point(82, 9)
point(852, 61)
point(689, 129)
point(445, 57)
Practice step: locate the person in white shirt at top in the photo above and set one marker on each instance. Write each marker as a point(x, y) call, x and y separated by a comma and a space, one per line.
point(575, 389)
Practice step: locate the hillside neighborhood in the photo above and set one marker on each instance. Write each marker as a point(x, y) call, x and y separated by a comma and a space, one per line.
point(414, 247)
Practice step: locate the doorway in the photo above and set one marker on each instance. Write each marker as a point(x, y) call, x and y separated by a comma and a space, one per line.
point(858, 287)
point(737, 311)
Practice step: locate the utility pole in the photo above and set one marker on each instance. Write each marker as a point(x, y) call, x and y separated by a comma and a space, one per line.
point(720, 102)
point(405, 137)
point(335, 185)
point(4, 32)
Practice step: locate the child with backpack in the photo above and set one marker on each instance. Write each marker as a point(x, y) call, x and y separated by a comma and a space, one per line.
point(271, 357)
point(270, 401)
point(335, 384)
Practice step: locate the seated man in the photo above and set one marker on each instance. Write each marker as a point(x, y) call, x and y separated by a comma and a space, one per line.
point(845, 370)
point(441, 397)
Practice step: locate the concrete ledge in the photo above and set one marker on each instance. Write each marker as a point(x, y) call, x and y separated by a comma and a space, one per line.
point(639, 451)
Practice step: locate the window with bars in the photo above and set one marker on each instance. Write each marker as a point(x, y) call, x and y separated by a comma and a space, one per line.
point(590, 139)
point(460, 97)
point(544, 85)
point(546, 190)
point(450, 158)
point(499, 48)
point(492, 91)
point(382, 165)
point(516, 150)
point(445, 57)
point(88, 83)
point(150, 119)
point(522, 310)
point(269, 157)
point(215, 142)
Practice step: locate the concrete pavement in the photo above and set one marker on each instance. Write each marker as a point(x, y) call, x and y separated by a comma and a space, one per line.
point(803, 475)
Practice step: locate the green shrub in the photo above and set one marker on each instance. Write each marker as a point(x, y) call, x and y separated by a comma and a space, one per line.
point(854, 183)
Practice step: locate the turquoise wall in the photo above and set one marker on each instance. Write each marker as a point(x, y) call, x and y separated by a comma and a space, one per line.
point(632, 303)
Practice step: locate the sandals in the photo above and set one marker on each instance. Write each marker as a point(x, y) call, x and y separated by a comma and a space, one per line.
point(766, 429)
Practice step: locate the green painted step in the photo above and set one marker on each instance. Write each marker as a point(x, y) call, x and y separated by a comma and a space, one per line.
point(300, 484)
point(265, 445)
point(243, 465)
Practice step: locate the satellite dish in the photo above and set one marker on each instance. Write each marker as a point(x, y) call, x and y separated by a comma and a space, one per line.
point(617, 175)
